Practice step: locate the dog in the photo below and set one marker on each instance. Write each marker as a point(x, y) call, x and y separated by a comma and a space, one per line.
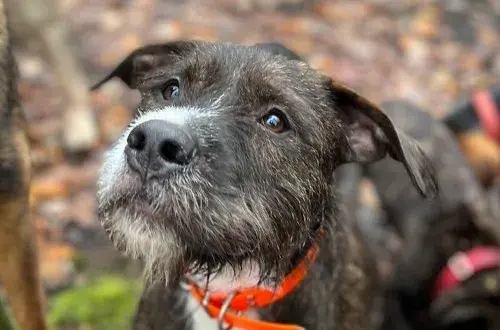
point(434, 232)
point(223, 185)
point(19, 271)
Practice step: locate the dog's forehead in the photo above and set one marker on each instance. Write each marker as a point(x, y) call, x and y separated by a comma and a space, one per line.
point(252, 66)
point(233, 56)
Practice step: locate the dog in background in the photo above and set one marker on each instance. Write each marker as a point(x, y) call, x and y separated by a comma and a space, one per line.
point(19, 272)
point(461, 219)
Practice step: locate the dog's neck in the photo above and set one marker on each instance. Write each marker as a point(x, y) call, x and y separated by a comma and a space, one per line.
point(226, 281)
point(249, 276)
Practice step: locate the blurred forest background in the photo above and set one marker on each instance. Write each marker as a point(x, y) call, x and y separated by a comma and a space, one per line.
point(433, 53)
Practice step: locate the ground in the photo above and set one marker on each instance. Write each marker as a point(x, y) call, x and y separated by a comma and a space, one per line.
point(430, 52)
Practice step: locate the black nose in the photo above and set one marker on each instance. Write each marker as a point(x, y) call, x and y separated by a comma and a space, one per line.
point(157, 146)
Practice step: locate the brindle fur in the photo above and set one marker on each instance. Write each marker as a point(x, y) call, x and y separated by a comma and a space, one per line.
point(18, 258)
point(251, 194)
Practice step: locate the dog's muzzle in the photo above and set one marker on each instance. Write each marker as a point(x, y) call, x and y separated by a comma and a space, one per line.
point(156, 147)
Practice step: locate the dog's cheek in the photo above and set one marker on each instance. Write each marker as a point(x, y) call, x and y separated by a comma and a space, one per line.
point(298, 194)
point(292, 166)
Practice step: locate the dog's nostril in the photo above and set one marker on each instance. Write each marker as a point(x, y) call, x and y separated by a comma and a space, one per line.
point(136, 140)
point(172, 152)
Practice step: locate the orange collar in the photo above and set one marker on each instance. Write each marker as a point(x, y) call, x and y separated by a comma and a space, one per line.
point(218, 304)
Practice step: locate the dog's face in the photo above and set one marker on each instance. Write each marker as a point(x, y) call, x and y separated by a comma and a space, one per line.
point(230, 159)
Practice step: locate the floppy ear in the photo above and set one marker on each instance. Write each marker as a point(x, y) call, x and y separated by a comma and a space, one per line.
point(278, 49)
point(146, 59)
point(370, 136)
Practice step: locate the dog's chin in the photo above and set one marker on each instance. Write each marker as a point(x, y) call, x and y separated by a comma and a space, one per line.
point(139, 230)
point(133, 233)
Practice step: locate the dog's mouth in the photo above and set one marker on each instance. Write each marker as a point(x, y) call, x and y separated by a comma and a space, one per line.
point(145, 194)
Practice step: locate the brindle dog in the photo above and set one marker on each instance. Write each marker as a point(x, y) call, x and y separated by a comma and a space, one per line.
point(227, 174)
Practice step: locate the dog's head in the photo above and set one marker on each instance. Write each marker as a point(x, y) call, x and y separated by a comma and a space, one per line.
point(231, 156)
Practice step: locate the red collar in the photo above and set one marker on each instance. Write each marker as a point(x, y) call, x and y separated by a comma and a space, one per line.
point(463, 265)
point(487, 113)
point(217, 305)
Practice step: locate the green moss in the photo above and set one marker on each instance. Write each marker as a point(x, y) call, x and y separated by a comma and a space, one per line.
point(6, 321)
point(105, 303)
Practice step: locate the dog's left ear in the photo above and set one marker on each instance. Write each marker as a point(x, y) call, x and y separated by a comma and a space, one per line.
point(146, 59)
point(370, 136)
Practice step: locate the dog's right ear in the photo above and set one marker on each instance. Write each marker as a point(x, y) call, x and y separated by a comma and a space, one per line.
point(146, 59)
point(370, 135)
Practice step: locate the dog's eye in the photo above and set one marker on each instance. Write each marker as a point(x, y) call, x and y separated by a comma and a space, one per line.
point(171, 90)
point(275, 121)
